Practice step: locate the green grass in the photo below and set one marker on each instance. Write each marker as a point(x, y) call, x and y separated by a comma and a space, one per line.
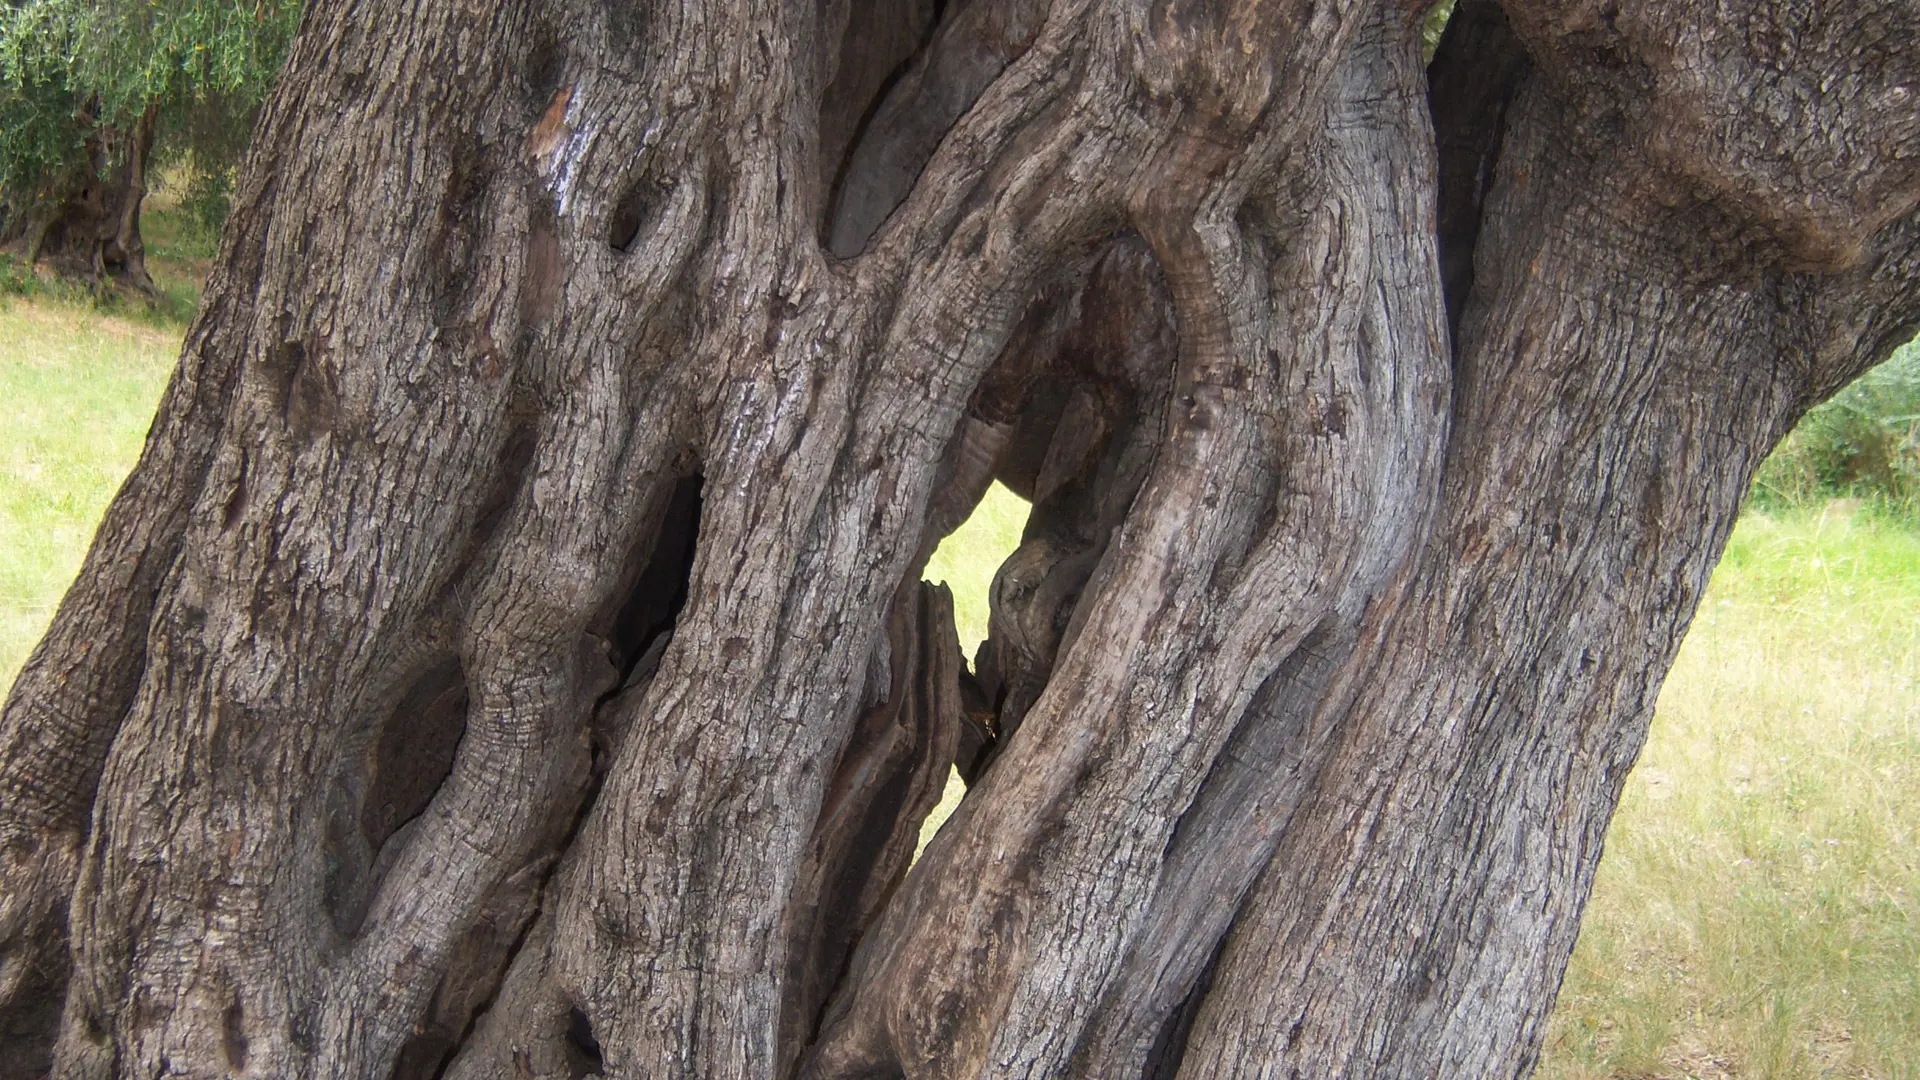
point(77, 390)
point(966, 560)
point(80, 374)
point(180, 249)
point(1758, 911)
point(179, 255)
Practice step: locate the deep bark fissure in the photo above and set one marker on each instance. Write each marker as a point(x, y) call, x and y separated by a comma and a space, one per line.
point(644, 623)
point(509, 658)
point(1471, 80)
point(877, 44)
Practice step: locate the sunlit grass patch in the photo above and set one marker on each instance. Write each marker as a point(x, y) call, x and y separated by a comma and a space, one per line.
point(180, 250)
point(968, 558)
point(77, 390)
point(966, 561)
point(1758, 910)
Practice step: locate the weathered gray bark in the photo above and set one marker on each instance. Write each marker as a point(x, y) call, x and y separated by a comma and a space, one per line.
point(508, 658)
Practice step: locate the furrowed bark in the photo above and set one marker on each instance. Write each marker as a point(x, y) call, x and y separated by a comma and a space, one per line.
point(399, 390)
point(1012, 927)
point(706, 996)
point(889, 778)
point(1376, 127)
point(509, 659)
point(1415, 920)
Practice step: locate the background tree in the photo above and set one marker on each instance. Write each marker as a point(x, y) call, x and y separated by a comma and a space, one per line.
point(1864, 442)
point(508, 658)
point(95, 93)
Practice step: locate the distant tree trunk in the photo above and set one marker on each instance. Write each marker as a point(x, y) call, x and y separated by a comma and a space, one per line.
point(508, 657)
point(87, 224)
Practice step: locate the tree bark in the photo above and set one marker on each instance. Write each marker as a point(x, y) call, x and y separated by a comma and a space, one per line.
point(508, 657)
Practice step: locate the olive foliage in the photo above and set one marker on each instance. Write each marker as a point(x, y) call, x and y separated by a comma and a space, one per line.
point(77, 76)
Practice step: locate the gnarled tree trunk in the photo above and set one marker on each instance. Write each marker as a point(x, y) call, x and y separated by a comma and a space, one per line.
point(508, 658)
point(86, 224)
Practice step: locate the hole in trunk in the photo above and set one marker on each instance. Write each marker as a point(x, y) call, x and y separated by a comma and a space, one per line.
point(881, 40)
point(583, 1050)
point(371, 804)
point(639, 207)
point(234, 1037)
point(416, 751)
point(968, 557)
point(1170, 1045)
point(640, 628)
point(645, 619)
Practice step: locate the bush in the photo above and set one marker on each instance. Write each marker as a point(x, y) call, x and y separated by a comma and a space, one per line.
point(1864, 443)
point(15, 279)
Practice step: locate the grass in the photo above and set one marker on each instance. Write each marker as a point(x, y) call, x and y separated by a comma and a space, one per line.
point(966, 560)
point(180, 250)
point(77, 390)
point(1758, 911)
point(179, 255)
point(80, 373)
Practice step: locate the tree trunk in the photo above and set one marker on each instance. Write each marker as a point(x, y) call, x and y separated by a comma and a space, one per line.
point(508, 657)
point(88, 224)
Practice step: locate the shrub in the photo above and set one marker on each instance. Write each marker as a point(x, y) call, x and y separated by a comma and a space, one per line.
point(1864, 443)
point(15, 279)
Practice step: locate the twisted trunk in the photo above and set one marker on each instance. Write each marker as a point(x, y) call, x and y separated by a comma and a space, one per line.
point(87, 223)
point(508, 658)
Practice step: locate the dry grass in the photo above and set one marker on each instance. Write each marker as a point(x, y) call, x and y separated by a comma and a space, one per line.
point(1757, 913)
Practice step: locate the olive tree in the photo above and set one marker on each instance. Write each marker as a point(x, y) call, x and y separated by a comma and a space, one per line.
point(93, 91)
point(509, 658)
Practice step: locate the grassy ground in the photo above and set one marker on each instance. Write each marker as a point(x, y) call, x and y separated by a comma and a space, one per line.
point(967, 559)
point(77, 390)
point(1758, 912)
point(79, 376)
